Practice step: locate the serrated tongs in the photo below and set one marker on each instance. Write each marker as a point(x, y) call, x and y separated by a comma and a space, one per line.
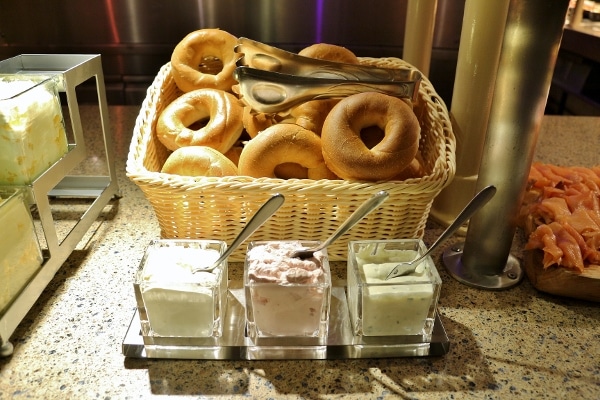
point(272, 80)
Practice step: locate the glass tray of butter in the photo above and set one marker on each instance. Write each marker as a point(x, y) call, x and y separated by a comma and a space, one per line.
point(346, 334)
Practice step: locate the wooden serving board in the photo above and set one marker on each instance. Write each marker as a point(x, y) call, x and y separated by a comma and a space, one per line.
point(560, 281)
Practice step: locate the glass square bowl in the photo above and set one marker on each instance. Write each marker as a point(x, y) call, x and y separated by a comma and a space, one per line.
point(20, 252)
point(286, 298)
point(32, 130)
point(171, 299)
point(404, 306)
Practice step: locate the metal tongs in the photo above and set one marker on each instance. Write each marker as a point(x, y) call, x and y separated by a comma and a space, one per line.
point(273, 80)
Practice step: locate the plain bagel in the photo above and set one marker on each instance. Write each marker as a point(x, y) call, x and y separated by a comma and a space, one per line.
point(344, 150)
point(256, 122)
point(193, 50)
point(330, 52)
point(283, 144)
point(199, 161)
point(175, 126)
point(311, 114)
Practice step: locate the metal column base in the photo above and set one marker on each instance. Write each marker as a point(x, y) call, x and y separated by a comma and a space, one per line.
point(6, 349)
point(510, 276)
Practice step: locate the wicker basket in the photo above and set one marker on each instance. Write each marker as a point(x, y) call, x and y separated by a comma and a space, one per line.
point(218, 208)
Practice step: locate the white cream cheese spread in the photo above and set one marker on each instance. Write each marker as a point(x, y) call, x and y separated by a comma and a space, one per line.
point(178, 301)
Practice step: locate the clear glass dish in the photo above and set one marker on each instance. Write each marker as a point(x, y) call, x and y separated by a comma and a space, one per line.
point(32, 130)
point(403, 307)
point(291, 304)
point(173, 301)
point(20, 253)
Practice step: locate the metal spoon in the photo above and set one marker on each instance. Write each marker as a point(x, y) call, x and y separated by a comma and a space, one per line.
point(358, 214)
point(259, 218)
point(481, 198)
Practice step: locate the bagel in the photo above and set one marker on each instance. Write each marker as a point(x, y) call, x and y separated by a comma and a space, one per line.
point(329, 52)
point(256, 122)
point(234, 153)
point(281, 144)
point(197, 47)
point(311, 114)
point(290, 170)
point(179, 124)
point(414, 170)
point(344, 150)
point(198, 161)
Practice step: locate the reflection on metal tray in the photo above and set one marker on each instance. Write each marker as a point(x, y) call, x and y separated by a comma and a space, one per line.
point(235, 345)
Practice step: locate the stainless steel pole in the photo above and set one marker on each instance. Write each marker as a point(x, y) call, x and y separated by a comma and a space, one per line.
point(481, 37)
point(418, 34)
point(529, 50)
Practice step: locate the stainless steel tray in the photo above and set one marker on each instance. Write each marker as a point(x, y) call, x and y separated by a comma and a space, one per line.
point(235, 345)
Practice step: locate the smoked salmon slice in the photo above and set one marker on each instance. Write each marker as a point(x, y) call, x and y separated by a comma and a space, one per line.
point(563, 207)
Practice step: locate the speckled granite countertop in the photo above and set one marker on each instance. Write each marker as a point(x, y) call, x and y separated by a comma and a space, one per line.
point(518, 342)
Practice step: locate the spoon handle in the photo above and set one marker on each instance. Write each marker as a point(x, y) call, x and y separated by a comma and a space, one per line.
point(475, 204)
point(259, 218)
point(358, 214)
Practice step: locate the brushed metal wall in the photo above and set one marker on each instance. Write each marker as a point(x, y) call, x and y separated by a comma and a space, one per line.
point(136, 37)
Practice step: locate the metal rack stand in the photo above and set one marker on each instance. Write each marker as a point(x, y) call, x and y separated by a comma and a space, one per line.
point(69, 70)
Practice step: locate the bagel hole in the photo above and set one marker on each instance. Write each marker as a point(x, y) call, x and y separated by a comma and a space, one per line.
point(245, 136)
point(197, 125)
point(210, 65)
point(371, 136)
point(290, 170)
